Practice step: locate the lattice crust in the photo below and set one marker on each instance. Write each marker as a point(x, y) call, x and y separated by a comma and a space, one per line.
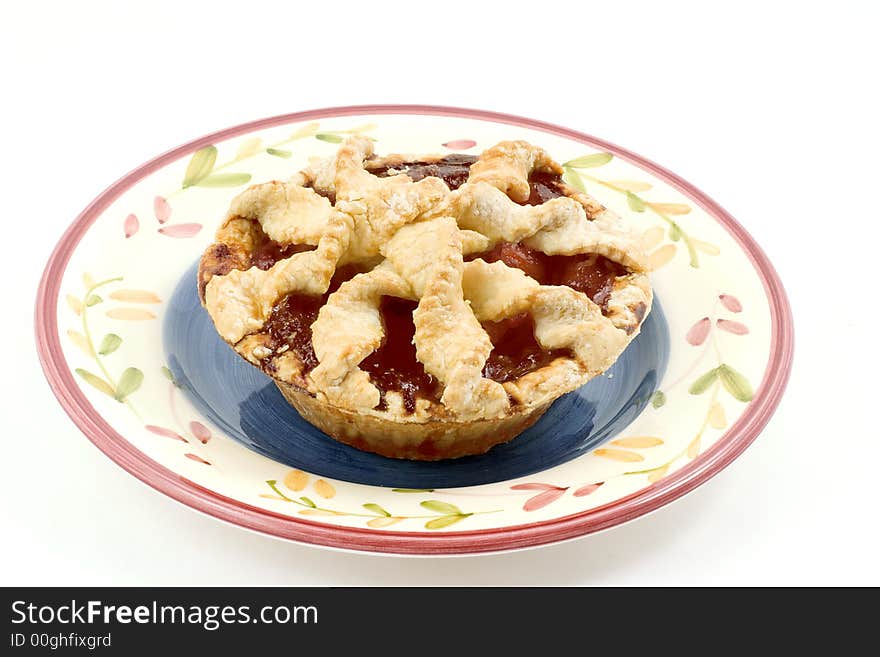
point(288, 212)
point(240, 301)
point(348, 329)
point(507, 166)
point(449, 339)
point(412, 239)
point(378, 206)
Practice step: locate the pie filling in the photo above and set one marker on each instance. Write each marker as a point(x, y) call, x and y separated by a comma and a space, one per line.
point(515, 350)
point(455, 169)
point(267, 252)
point(589, 273)
point(289, 325)
point(221, 259)
point(452, 169)
point(543, 187)
point(393, 366)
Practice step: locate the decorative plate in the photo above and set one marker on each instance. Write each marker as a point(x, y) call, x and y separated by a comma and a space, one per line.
point(135, 361)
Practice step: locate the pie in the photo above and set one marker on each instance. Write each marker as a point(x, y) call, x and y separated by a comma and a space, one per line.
point(425, 307)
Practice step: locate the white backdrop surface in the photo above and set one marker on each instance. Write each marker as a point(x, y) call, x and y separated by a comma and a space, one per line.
point(770, 109)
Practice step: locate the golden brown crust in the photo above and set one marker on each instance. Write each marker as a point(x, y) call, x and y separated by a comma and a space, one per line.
point(430, 440)
point(507, 166)
point(409, 238)
point(233, 245)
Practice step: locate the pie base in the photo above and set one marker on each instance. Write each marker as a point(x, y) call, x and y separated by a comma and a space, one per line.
point(418, 441)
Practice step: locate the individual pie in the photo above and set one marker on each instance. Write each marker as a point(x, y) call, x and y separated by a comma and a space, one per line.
point(425, 307)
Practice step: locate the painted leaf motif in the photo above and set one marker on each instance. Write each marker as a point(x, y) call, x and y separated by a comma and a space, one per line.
point(197, 458)
point(717, 417)
point(652, 237)
point(75, 304)
point(109, 344)
point(131, 225)
point(534, 486)
point(279, 152)
point(619, 455)
point(200, 431)
point(296, 480)
point(583, 491)
point(249, 147)
point(631, 185)
point(375, 508)
point(693, 256)
point(698, 333)
point(694, 448)
point(661, 256)
point(705, 247)
point(638, 442)
point(93, 300)
point(168, 375)
point(324, 488)
point(130, 314)
point(320, 512)
point(735, 383)
point(737, 328)
point(161, 209)
point(181, 230)
point(440, 507)
point(364, 127)
point(571, 177)
point(658, 399)
point(702, 384)
point(307, 502)
point(589, 161)
point(329, 137)
point(224, 180)
point(96, 382)
point(444, 521)
point(277, 498)
point(634, 202)
point(731, 303)
point(383, 521)
point(80, 341)
point(167, 433)
point(674, 232)
point(306, 130)
point(135, 296)
point(129, 382)
point(460, 144)
point(658, 473)
point(541, 500)
point(200, 165)
point(670, 208)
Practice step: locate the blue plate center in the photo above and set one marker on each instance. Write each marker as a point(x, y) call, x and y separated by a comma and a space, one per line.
point(245, 404)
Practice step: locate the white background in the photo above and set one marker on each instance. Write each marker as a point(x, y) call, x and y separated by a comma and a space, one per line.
point(769, 108)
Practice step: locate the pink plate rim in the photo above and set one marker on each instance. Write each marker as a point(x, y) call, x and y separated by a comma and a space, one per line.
point(725, 450)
